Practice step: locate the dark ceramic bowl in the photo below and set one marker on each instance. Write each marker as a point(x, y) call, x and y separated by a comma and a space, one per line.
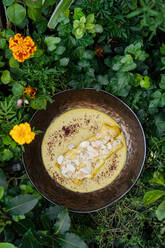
point(136, 149)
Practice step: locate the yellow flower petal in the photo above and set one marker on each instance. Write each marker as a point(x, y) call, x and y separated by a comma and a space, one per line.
point(22, 133)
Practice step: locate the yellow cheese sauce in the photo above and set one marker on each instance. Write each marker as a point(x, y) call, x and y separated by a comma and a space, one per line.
point(72, 128)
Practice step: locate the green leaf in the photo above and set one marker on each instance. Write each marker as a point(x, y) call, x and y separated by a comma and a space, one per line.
point(158, 179)
point(51, 42)
point(34, 4)
point(127, 63)
point(162, 49)
point(2, 64)
point(62, 6)
point(98, 28)
point(38, 53)
point(116, 63)
point(3, 179)
point(5, 77)
point(8, 33)
point(8, 2)
point(160, 212)
point(90, 28)
point(53, 211)
point(63, 222)
point(84, 63)
point(1, 192)
point(64, 61)
point(78, 52)
point(50, 2)
point(38, 103)
point(71, 240)
point(152, 196)
point(162, 101)
point(16, 13)
point(134, 13)
point(162, 82)
point(145, 83)
point(6, 155)
point(8, 53)
point(121, 83)
point(90, 18)
point(78, 14)
point(13, 63)
point(7, 245)
point(2, 43)
point(17, 89)
point(60, 50)
point(7, 140)
point(88, 54)
point(21, 204)
point(34, 13)
point(102, 79)
point(160, 123)
point(85, 41)
point(156, 94)
point(29, 241)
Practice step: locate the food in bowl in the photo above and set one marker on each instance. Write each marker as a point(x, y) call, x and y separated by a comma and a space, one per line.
point(84, 150)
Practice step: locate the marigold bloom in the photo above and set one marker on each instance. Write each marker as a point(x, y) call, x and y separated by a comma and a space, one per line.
point(22, 47)
point(99, 51)
point(22, 133)
point(30, 91)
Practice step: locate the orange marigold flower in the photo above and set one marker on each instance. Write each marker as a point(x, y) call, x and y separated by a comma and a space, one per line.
point(30, 91)
point(99, 51)
point(22, 133)
point(22, 47)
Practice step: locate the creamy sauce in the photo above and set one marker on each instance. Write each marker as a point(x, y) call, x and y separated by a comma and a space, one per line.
point(73, 127)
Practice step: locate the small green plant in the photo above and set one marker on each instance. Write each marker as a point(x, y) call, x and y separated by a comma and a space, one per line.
point(151, 15)
point(154, 195)
point(82, 24)
point(55, 224)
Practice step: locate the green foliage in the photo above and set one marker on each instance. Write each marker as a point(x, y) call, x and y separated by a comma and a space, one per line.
point(62, 224)
point(16, 13)
point(151, 15)
point(5, 77)
point(51, 42)
point(82, 24)
point(7, 245)
point(21, 204)
point(153, 195)
point(60, 8)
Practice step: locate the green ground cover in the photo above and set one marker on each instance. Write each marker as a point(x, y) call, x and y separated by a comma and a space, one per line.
point(114, 45)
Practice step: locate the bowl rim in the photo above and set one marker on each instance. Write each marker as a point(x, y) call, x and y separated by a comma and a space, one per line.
point(140, 171)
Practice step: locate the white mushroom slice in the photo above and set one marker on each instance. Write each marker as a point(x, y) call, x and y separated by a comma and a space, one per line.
point(71, 167)
point(88, 165)
point(71, 146)
point(96, 143)
point(76, 162)
point(83, 156)
point(83, 173)
point(84, 144)
point(104, 151)
point(65, 172)
point(60, 159)
point(103, 147)
point(109, 146)
point(91, 149)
